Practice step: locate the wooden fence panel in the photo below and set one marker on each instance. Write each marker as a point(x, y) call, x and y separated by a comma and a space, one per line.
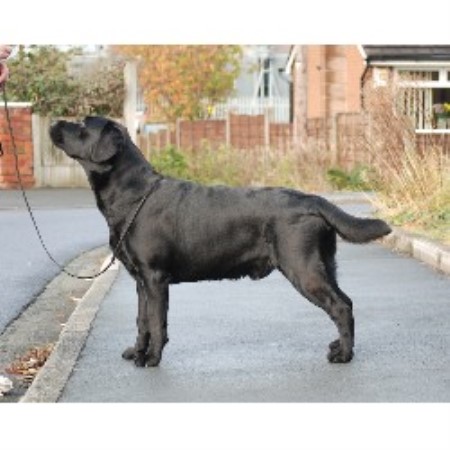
point(53, 168)
point(237, 131)
point(281, 136)
point(247, 131)
point(194, 134)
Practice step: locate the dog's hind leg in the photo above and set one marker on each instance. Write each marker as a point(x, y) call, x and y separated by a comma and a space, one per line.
point(337, 346)
point(310, 269)
point(328, 251)
point(315, 287)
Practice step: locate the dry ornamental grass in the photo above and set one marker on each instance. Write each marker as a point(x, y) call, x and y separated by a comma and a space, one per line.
point(413, 183)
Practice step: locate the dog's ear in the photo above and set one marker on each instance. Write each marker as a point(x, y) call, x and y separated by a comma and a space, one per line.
point(110, 142)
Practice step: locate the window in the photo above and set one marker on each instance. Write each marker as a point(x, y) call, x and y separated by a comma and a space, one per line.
point(426, 97)
point(418, 75)
point(265, 78)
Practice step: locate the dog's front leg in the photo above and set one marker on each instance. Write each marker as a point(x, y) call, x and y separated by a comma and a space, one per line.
point(157, 295)
point(138, 353)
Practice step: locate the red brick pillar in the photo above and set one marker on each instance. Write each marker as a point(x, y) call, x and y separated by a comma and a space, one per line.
point(20, 114)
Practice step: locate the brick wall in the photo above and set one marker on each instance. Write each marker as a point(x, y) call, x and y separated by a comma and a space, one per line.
point(326, 83)
point(334, 80)
point(440, 140)
point(354, 72)
point(22, 128)
point(315, 81)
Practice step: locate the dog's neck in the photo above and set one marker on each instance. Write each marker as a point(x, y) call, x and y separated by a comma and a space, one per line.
point(108, 188)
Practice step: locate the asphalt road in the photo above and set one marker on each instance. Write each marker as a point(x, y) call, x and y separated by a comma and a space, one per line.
point(241, 341)
point(259, 341)
point(70, 225)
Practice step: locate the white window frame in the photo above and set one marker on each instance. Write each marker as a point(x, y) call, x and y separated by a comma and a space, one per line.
point(443, 82)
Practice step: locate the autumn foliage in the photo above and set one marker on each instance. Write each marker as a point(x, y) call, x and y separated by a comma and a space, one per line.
point(184, 81)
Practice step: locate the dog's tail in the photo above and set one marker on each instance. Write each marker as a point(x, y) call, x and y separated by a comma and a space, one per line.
point(351, 228)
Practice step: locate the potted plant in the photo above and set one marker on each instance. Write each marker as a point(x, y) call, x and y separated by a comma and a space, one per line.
point(441, 112)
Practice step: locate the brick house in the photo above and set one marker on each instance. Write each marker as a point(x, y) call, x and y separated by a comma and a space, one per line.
point(423, 75)
point(328, 82)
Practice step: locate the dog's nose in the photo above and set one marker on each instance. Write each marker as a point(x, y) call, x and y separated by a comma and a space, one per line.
point(55, 131)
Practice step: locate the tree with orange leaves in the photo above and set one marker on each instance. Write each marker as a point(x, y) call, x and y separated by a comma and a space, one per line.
point(184, 81)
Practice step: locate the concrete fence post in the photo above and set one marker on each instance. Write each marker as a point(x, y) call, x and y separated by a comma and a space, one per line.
point(266, 128)
point(130, 102)
point(36, 127)
point(228, 129)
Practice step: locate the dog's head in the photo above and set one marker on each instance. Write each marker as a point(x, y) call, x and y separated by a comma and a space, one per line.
point(94, 142)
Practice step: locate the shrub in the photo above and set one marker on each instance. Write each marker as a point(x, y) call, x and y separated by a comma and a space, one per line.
point(171, 162)
point(40, 75)
point(356, 179)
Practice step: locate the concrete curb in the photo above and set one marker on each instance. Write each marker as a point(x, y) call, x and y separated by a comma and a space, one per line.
point(434, 254)
point(52, 377)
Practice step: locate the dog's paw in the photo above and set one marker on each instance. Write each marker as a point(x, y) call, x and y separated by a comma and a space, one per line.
point(337, 354)
point(153, 361)
point(335, 345)
point(140, 359)
point(129, 354)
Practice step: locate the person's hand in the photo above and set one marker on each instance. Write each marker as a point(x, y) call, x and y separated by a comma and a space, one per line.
point(5, 51)
point(4, 72)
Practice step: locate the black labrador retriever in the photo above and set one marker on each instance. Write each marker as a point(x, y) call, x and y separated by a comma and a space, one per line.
point(189, 232)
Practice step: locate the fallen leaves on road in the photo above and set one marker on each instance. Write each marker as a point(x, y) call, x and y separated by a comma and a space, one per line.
point(28, 365)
